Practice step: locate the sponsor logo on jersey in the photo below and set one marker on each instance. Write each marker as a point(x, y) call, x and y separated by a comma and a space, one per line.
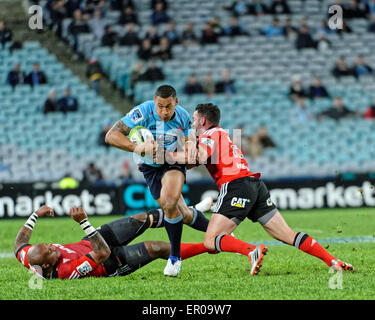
point(136, 115)
point(84, 268)
point(239, 202)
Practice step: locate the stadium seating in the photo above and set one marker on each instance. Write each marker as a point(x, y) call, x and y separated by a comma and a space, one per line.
point(38, 147)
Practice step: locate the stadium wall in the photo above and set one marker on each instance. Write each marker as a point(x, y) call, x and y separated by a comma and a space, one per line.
point(22, 200)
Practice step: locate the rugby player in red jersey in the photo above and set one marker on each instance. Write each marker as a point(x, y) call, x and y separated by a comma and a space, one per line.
point(103, 252)
point(242, 195)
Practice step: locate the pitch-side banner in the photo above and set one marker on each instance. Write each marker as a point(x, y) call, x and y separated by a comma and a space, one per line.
point(22, 200)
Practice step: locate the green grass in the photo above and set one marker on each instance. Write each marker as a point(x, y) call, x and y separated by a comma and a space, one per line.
point(287, 273)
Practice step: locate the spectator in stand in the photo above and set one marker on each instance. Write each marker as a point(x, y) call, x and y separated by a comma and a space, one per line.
point(234, 28)
point(216, 26)
point(361, 67)
point(317, 90)
point(273, 30)
point(136, 72)
point(304, 39)
point(171, 33)
point(16, 76)
point(370, 111)
point(93, 176)
point(254, 147)
point(97, 24)
point(208, 85)
point(110, 37)
point(159, 14)
point(322, 43)
point(152, 35)
point(188, 36)
point(50, 104)
point(352, 10)
point(324, 28)
point(341, 69)
point(105, 128)
point(77, 26)
point(164, 52)
point(208, 35)
point(238, 8)
point(279, 7)
point(36, 77)
point(131, 36)
point(58, 12)
point(126, 174)
point(128, 16)
point(145, 50)
point(193, 86)
point(301, 113)
point(370, 9)
point(226, 84)
point(296, 89)
point(70, 6)
point(337, 111)
point(5, 34)
point(289, 30)
point(257, 8)
point(94, 73)
point(87, 7)
point(67, 103)
point(264, 138)
point(153, 73)
point(155, 2)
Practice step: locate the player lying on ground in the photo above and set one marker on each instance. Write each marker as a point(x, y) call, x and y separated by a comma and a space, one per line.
point(167, 121)
point(242, 195)
point(103, 252)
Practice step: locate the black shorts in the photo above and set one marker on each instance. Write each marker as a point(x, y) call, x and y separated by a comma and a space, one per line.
point(153, 176)
point(246, 197)
point(124, 259)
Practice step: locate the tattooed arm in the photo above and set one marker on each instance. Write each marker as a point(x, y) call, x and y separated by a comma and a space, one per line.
point(24, 235)
point(100, 250)
point(117, 137)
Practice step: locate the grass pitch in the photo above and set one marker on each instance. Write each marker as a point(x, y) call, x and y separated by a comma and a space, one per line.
point(287, 273)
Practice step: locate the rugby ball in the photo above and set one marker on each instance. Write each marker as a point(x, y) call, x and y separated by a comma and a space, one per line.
point(140, 134)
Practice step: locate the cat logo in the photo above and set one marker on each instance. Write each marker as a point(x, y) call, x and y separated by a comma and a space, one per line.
point(239, 202)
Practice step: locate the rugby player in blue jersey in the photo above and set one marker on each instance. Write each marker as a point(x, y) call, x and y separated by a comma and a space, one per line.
point(170, 125)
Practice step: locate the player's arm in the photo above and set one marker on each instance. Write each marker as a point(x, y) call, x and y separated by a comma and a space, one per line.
point(117, 137)
point(100, 251)
point(24, 234)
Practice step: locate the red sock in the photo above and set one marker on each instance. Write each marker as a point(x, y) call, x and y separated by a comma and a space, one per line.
point(229, 243)
point(192, 249)
point(310, 246)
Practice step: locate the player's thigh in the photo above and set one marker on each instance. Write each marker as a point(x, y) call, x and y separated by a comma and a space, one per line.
point(277, 228)
point(171, 187)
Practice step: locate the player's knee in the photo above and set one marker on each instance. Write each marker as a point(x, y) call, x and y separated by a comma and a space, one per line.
point(142, 217)
point(169, 204)
point(158, 249)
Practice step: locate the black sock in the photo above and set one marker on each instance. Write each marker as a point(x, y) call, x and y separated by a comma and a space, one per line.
point(200, 222)
point(174, 230)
